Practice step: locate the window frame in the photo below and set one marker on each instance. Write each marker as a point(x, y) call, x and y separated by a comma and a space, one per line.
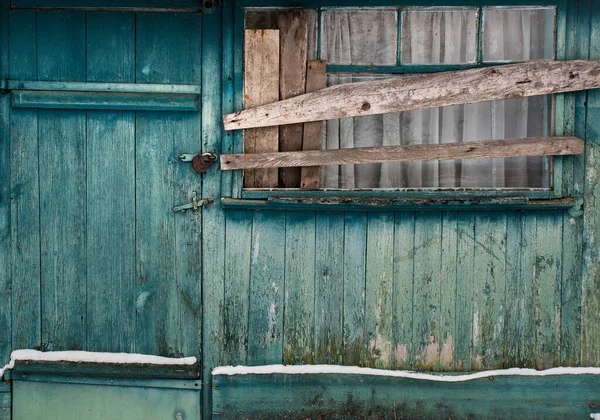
point(562, 105)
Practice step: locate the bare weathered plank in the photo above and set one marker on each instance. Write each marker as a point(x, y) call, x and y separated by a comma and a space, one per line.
point(422, 91)
point(293, 33)
point(535, 146)
point(313, 131)
point(261, 86)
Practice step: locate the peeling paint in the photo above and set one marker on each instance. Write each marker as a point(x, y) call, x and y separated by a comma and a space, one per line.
point(447, 353)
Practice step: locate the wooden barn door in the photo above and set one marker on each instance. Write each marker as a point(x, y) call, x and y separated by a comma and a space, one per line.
point(101, 262)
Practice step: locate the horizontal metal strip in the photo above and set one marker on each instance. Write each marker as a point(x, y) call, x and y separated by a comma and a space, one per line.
point(105, 101)
point(103, 87)
point(538, 146)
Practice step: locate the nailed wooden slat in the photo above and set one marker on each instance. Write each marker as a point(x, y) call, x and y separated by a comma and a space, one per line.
point(424, 91)
point(261, 86)
point(535, 146)
point(313, 131)
point(293, 30)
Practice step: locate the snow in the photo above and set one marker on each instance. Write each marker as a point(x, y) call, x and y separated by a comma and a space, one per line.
point(352, 370)
point(595, 416)
point(93, 357)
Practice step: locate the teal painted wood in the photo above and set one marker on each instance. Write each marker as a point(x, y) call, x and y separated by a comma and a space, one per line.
point(103, 72)
point(55, 397)
point(489, 290)
point(104, 100)
point(329, 286)
point(465, 269)
point(5, 405)
point(238, 240)
point(548, 279)
point(379, 281)
point(526, 290)
point(168, 267)
point(110, 190)
point(590, 298)
point(427, 290)
point(213, 217)
point(404, 242)
point(363, 396)
point(169, 4)
point(299, 297)
point(267, 266)
point(24, 181)
point(448, 288)
point(514, 290)
point(355, 241)
point(5, 194)
point(62, 151)
point(572, 261)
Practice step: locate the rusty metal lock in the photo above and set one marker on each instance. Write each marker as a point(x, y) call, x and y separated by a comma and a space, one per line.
point(202, 162)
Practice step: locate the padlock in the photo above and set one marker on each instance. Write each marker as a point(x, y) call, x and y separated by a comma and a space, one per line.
point(202, 162)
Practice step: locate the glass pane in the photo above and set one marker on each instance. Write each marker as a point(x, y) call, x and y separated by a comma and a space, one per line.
point(361, 37)
point(439, 36)
point(513, 118)
point(518, 34)
point(269, 19)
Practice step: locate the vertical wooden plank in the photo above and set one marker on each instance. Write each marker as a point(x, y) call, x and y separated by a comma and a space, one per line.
point(465, 278)
point(5, 194)
point(355, 243)
point(427, 290)
point(261, 86)
point(110, 190)
point(216, 91)
point(25, 206)
point(404, 251)
point(293, 33)
point(490, 288)
point(448, 290)
point(590, 298)
point(299, 298)
point(574, 121)
point(526, 290)
point(313, 131)
point(237, 287)
point(513, 291)
point(329, 287)
point(548, 279)
point(168, 267)
point(379, 289)
point(267, 267)
point(62, 151)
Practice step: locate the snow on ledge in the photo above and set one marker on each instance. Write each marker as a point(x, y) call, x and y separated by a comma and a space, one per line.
point(93, 357)
point(353, 370)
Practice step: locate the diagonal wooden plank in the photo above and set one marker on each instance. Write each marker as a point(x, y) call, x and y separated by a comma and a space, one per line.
point(535, 146)
point(422, 91)
point(261, 86)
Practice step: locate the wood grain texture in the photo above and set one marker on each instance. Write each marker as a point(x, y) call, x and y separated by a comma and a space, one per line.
point(423, 91)
point(167, 292)
point(293, 31)
point(267, 265)
point(261, 86)
point(313, 131)
point(329, 286)
point(5, 199)
point(355, 241)
point(299, 300)
point(63, 198)
point(111, 173)
point(539, 146)
point(24, 180)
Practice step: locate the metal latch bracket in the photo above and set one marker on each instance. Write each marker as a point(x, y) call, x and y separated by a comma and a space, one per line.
point(195, 205)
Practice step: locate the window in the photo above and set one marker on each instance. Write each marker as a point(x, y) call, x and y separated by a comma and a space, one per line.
point(370, 43)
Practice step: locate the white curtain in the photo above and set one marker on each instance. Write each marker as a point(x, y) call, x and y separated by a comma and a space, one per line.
point(428, 38)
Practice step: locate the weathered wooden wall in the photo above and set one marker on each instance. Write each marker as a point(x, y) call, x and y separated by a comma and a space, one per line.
point(92, 256)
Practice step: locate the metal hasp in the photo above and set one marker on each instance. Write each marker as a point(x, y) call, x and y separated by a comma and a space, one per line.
point(200, 162)
point(195, 205)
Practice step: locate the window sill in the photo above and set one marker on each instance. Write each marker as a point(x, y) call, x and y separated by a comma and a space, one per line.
point(401, 204)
